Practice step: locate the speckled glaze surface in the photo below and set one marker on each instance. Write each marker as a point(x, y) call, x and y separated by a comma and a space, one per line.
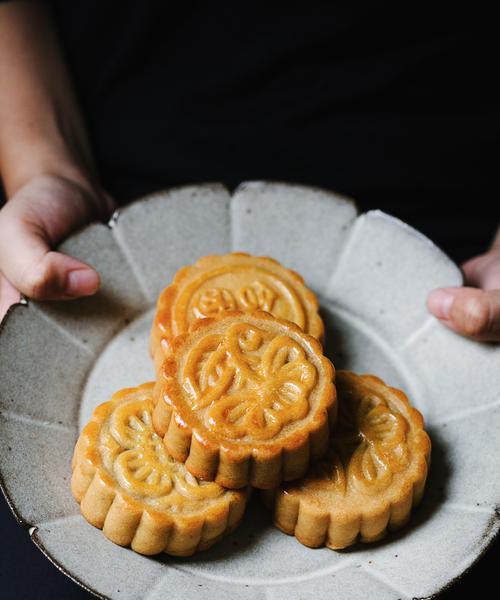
point(371, 273)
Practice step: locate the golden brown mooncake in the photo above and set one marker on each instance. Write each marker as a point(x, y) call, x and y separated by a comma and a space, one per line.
point(245, 398)
point(234, 281)
point(129, 486)
point(371, 477)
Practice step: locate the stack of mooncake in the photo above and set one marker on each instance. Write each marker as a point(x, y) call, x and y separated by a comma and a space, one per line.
point(244, 398)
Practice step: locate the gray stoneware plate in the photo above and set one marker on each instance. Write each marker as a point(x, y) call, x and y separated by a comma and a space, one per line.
point(372, 274)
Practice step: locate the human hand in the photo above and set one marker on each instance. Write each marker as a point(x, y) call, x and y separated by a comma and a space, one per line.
point(474, 310)
point(35, 219)
point(46, 163)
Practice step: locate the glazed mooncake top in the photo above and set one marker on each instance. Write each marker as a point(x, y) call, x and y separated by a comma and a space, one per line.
point(378, 449)
point(249, 379)
point(121, 443)
point(235, 281)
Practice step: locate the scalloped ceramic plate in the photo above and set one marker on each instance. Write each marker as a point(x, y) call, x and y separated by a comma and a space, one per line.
point(372, 274)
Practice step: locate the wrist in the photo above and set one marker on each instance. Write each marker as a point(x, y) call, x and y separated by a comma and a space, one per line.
point(49, 164)
point(35, 157)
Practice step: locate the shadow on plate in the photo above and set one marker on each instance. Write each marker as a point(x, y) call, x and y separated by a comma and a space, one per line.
point(244, 539)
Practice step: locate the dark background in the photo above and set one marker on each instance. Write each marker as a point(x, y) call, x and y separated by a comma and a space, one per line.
point(397, 108)
point(392, 103)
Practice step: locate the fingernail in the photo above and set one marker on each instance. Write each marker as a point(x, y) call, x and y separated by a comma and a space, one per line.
point(82, 282)
point(439, 303)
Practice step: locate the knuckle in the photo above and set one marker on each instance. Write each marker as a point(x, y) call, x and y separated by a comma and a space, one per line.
point(35, 282)
point(476, 316)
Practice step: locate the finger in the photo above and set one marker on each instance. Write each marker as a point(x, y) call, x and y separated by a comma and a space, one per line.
point(8, 296)
point(483, 271)
point(468, 311)
point(471, 271)
point(39, 273)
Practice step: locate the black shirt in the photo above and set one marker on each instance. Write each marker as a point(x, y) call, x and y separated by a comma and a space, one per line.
point(394, 107)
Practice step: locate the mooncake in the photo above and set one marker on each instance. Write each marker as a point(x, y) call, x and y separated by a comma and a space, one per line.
point(234, 281)
point(372, 475)
point(128, 485)
point(245, 398)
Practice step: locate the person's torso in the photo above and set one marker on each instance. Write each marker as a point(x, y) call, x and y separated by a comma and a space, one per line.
point(396, 108)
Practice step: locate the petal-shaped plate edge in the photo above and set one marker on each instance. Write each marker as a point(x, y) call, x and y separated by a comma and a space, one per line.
point(35, 538)
point(185, 207)
point(264, 214)
point(10, 502)
point(435, 264)
point(116, 285)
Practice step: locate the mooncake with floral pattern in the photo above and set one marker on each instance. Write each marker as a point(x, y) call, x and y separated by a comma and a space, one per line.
point(236, 281)
point(245, 398)
point(372, 476)
point(130, 487)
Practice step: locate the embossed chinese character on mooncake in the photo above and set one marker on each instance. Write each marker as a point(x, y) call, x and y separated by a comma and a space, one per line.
point(129, 486)
point(371, 477)
point(245, 398)
point(234, 281)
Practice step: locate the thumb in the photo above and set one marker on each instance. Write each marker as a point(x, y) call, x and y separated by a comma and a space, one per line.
point(469, 311)
point(39, 273)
